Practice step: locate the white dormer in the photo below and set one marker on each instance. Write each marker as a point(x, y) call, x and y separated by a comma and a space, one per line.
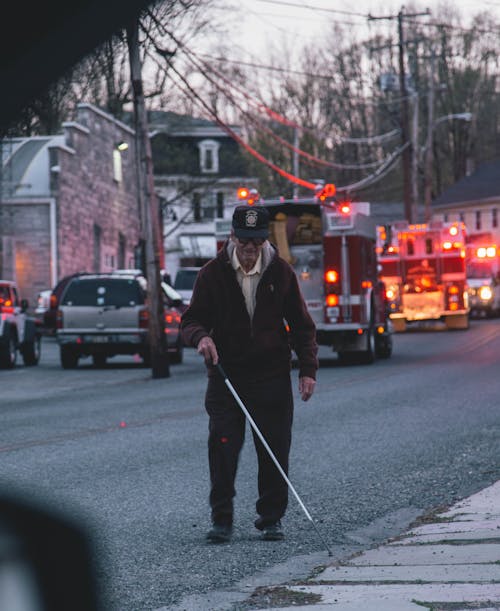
point(209, 156)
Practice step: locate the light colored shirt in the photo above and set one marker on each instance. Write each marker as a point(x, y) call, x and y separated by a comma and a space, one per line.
point(248, 280)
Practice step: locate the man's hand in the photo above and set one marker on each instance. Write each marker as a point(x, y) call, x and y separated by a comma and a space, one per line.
point(207, 349)
point(306, 387)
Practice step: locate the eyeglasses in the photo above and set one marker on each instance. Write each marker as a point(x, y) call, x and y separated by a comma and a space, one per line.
point(254, 241)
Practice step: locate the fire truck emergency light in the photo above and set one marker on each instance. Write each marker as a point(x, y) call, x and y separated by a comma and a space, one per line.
point(243, 193)
point(253, 196)
point(345, 208)
point(325, 192)
point(250, 195)
point(483, 252)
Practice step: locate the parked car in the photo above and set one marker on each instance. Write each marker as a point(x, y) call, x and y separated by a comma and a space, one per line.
point(18, 331)
point(184, 283)
point(50, 315)
point(103, 315)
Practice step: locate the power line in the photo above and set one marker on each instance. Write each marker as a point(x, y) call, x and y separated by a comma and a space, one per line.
point(314, 8)
point(369, 180)
point(312, 158)
point(262, 107)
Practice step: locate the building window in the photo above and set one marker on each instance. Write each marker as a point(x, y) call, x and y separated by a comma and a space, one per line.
point(117, 165)
point(461, 217)
point(494, 218)
point(478, 220)
point(122, 248)
point(196, 207)
point(97, 248)
point(209, 156)
point(445, 217)
point(220, 205)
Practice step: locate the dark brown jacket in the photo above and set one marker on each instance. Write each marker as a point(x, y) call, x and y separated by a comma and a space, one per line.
point(259, 348)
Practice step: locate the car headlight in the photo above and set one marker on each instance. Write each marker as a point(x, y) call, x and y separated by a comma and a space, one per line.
point(485, 293)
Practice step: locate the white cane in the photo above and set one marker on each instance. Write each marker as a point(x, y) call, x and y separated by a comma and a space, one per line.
point(270, 452)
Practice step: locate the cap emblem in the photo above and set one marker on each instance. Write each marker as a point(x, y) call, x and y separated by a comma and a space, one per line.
point(251, 219)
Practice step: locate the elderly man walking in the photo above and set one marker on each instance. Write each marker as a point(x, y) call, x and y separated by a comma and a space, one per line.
point(242, 302)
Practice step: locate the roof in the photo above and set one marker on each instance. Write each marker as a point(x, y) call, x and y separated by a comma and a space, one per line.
point(48, 39)
point(26, 166)
point(483, 184)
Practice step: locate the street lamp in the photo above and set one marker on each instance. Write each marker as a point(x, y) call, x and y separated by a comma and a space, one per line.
point(464, 116)
point(427, 150)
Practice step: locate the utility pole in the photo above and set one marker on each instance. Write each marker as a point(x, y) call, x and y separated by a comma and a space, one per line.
point(429, 141)
point(150, 218)
point(414, 157)
point(407, 135)
point(295, 160)
point(405, 132)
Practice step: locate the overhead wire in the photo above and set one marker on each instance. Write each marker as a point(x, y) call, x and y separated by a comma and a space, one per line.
point(277, 116)
point(384, 169)
point(311, 158)
point(198, 100)
point(381, 171)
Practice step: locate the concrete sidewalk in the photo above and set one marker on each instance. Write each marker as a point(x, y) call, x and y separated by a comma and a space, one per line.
point(450, 562)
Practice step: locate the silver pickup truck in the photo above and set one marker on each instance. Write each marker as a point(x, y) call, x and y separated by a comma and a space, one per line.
point(103, 315)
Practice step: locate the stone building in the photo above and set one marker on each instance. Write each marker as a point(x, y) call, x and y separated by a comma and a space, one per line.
point(68, 202)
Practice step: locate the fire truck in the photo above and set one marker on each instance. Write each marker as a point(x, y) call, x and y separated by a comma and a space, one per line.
point(331, 247)
point(483, 276)
point(423, 268)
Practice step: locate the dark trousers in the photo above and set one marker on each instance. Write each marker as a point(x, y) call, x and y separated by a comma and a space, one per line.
point(270, 403)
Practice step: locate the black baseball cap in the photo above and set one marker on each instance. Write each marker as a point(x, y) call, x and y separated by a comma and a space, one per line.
point(251, 222)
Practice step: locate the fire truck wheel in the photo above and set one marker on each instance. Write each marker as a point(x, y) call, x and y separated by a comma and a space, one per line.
point(361, 357)
point(368, 356)
point(383, 346)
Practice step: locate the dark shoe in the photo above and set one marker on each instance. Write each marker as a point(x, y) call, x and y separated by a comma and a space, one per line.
point(273, 532)
point(220, 533)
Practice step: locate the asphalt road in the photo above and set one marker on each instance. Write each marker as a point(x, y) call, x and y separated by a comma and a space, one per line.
point(376, 446)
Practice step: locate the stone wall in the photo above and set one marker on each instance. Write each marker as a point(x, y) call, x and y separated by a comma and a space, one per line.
point(95, 211)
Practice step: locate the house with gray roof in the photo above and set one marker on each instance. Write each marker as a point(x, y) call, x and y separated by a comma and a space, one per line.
point(198, 168)
point(475, 200)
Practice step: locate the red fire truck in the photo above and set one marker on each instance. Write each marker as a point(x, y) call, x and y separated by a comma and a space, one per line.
point(331, 246)
point(423, 268)
point(483, 275)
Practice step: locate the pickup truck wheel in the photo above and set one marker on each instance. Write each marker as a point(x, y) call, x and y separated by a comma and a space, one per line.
point(31, 351)
point(69, 358)
point(8, 352)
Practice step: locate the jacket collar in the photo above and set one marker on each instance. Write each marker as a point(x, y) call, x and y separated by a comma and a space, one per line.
point(269, 252)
